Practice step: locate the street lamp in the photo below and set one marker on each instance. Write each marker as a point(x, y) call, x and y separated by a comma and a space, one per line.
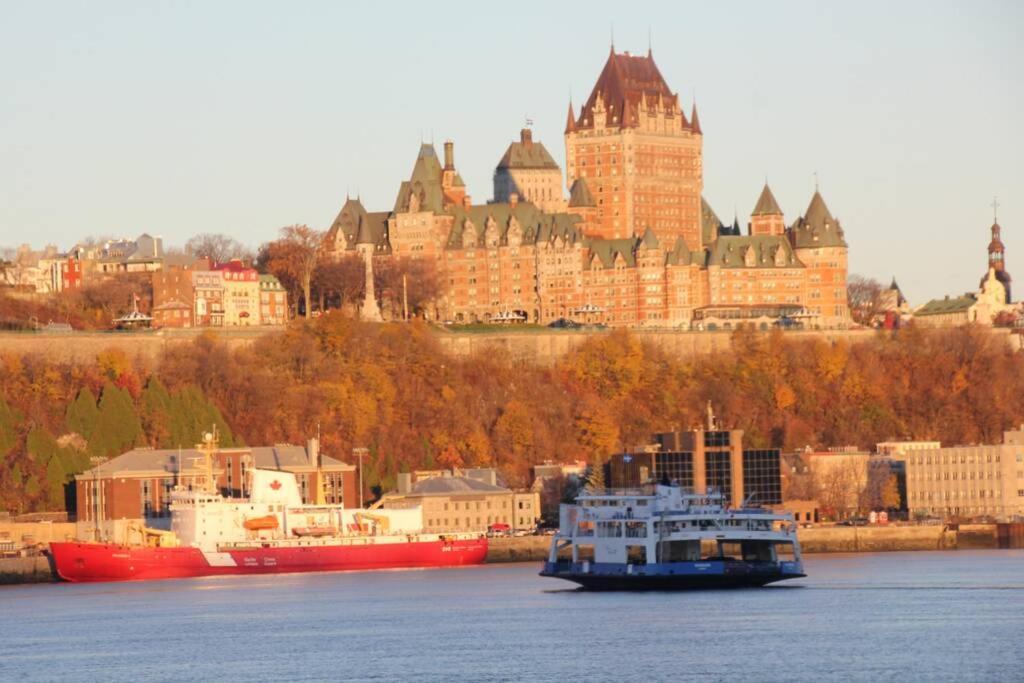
point(359, 452)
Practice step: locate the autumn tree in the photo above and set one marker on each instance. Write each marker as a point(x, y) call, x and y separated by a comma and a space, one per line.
point(293, 259)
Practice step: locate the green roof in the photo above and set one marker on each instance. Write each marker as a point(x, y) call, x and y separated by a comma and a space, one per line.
point(766, 204)
point(359, 226)
point(730, 251)
point(527, 154)
point(960, 304)
point(680, 254)
point(579, 195)
point(425, 182)
point(710, 224)
point(607, 250)
point(817, 227)
point(537, 225)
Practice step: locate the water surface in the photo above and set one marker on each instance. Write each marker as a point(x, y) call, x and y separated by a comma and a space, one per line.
point(947, 616)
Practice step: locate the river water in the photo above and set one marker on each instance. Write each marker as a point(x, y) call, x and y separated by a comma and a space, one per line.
point(947, 616)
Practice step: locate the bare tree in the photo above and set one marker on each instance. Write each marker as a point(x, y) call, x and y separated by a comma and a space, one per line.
point(218, 248)
point(340, 280)
point(401, 280)
point(865, 297)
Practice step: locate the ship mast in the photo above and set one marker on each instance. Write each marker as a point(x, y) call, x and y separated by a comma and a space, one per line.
point(207, 448)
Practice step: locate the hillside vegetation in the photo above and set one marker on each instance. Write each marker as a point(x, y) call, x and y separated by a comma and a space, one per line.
point(391, 388)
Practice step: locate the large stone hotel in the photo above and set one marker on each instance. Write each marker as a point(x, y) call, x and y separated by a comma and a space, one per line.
point(633, 244)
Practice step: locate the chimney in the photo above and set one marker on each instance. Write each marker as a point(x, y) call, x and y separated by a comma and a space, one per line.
point(513, 199)
point(526, 136)
point(466, 202)
point(449, 155)
point(404, 483)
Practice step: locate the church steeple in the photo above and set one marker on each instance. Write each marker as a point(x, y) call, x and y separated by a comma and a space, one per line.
point(570, 123)
point(997, 254)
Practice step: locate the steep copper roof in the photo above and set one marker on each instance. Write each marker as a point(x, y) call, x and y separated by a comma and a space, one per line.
point(355, 225)
point(817, 227)
point(626, 80)
point(766, 204)
point(579, 195)
point(527, 154)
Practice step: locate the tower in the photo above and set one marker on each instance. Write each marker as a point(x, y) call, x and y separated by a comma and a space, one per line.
point(997, 259)
point(642, 159)
point(529, 171)
point(766, 218)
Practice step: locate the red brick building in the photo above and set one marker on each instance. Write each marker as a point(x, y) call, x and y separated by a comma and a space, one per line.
point(137, 484)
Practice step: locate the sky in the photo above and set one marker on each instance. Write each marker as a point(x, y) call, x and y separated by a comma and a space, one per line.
point(178, 118)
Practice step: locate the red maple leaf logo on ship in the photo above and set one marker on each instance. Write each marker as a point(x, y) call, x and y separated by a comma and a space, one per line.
point(275, 484)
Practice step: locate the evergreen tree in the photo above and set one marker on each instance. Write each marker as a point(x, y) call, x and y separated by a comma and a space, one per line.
point(82, 414)
point(118, 428)
point(60, 464)
point(191, 415)
point(56, 477)
point(9, 420)
point(155, 412)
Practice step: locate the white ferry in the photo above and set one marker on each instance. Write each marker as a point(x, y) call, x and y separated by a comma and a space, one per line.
point(663, 537)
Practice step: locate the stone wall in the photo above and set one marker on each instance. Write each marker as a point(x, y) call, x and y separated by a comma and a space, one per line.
point(34, 533)
point(533, 346)
point(25, 570)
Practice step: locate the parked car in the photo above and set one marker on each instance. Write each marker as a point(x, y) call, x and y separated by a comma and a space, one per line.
point(854, 521)
point(499, 529)
point(564, 324)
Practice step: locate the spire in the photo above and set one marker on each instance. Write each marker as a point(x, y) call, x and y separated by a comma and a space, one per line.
point(570, 122)
point(766, 204)
point(650, 51)
point(694, 121)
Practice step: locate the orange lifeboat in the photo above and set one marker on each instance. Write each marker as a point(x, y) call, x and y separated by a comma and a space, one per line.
point(315, 531)
point(261, 523)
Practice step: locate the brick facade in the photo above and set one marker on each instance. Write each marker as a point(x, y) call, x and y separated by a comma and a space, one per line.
point(633, 245)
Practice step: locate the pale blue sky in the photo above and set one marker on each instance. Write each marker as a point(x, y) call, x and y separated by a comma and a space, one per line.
point(187, 117)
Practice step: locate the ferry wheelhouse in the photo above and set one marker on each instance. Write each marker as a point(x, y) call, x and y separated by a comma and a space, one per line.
point(663, 537)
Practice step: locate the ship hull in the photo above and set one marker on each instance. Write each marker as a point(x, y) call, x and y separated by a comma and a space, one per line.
point(87, 562)
point(673, 576)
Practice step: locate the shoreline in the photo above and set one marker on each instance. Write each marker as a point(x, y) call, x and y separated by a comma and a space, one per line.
point(814, 541)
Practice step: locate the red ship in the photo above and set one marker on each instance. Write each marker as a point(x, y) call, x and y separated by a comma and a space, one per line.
point(272, 531)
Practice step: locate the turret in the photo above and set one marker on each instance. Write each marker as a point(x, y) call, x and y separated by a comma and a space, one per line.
point(766, 219)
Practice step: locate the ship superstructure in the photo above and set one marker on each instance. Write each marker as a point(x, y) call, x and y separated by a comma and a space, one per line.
point(665, 537)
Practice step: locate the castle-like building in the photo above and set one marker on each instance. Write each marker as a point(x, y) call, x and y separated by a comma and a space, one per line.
point(634, 244)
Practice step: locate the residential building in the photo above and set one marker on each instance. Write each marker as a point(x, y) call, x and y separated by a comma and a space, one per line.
point(273, 301)
point(208, 288)
point(174, 294)
point(241, 293)
point(464, 501)
point(968, 481)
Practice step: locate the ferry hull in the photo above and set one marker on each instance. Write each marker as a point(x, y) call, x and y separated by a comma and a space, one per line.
point(675, 576)
point(86, 562)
